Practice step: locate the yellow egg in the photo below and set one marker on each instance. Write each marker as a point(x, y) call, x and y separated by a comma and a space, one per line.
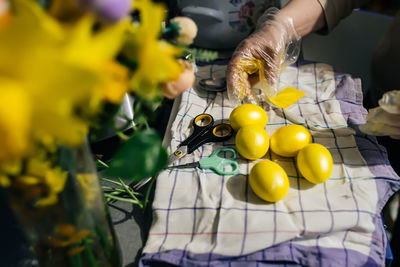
point(269, 181)
point(248, 114)
point(252, 142)
point(315, 163)
point(288, 140)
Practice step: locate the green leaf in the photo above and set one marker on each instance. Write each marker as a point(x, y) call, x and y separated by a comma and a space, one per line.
point(140, 157)
point(198, 54)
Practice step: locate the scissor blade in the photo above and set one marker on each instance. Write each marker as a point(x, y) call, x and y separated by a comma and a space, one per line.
point(179, 153)
point(184, 166)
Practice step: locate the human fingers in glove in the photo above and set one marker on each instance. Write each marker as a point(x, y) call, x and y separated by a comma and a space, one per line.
point(271, 46)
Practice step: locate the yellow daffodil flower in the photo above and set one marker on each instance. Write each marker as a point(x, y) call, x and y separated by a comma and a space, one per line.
point(115, 84)
point(26, 181)
point(4, 181)
point(60, 70)
point(37, 166)
point(72, 236)
point(48, 181)
point(88, 183)
point(11, 167)
point(156, 59)
point(55, 180)
point(15, 119)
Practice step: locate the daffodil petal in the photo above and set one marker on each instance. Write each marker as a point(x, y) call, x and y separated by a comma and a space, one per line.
point(15, 116)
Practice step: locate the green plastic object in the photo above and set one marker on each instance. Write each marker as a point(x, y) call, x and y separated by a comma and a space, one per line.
point(221, 165)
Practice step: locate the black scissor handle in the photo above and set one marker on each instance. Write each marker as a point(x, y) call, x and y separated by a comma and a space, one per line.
point(200, 123)
point(217, 133)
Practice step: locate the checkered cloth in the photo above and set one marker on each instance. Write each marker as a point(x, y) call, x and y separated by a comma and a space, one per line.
point(203, 219)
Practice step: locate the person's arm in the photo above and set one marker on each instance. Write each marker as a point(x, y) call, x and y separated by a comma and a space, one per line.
point(313, 15)
point(276, 32)
point(266, 48)
point(307, 15)
point(336, 10)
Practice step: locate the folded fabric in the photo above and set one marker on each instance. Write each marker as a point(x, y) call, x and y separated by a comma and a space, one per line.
point(385, 119)
point(203, 219)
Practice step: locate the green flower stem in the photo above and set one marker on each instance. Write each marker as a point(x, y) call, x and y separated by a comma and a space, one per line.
point(111, 181)
point(129, 190)
point(134, 127)
point(89, 253)
point(146, 197)
point(104, 240)
point(146, 124)
point(119, 190)
point(124, 199)
point(76, 260)
point(113, 189)
point(122, 135)
point(102, 163)
point(129, 124)
point(116, 192)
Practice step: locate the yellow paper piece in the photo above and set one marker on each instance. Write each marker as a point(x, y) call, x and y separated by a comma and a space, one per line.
point(286, 97)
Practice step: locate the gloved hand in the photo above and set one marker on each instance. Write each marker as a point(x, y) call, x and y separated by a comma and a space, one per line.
point(385, 119)
point(274, 45)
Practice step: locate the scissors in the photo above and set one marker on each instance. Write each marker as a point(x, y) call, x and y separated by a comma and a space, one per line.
point(213, 84)
point(204, 131)
point(215, 162)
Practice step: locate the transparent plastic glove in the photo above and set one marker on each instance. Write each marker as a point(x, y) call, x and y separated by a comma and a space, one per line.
point(385, 119)
point(262, 56)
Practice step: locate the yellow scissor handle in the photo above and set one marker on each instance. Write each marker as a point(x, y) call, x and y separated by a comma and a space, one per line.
point(222, 130)
point(203, 120)
point(201, 123)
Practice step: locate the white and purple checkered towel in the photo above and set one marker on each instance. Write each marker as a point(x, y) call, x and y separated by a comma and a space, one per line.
point(203, 219)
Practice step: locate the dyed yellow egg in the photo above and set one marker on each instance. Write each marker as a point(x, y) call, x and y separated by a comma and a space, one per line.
point(315, 163)
point(269, 181)
point(248, 114)
point(252, 142)
point(288, 140)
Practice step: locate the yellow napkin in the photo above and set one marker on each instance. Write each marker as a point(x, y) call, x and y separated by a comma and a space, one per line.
point(282, 99)
point(286, 97)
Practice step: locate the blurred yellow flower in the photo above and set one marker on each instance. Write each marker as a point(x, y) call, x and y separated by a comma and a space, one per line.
point(4, 181)
point(37, 166)
point(40, 181)
point(96, 51)
point(66, 66)
point(115, 83)
point(60, 69)
point(11, 167)
point(88, 183)
point(54, 179)
point(69, 237)
point(15, 118)
point(156, 58)
point(26, 180)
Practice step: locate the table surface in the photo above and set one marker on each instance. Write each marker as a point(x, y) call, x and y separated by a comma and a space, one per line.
point(131, 224)
point(331, 107)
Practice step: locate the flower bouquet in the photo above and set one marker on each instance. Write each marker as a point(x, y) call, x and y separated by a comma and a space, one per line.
point(65, 67)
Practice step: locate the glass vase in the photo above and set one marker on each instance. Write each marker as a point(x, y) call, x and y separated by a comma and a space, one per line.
point(62, 211)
